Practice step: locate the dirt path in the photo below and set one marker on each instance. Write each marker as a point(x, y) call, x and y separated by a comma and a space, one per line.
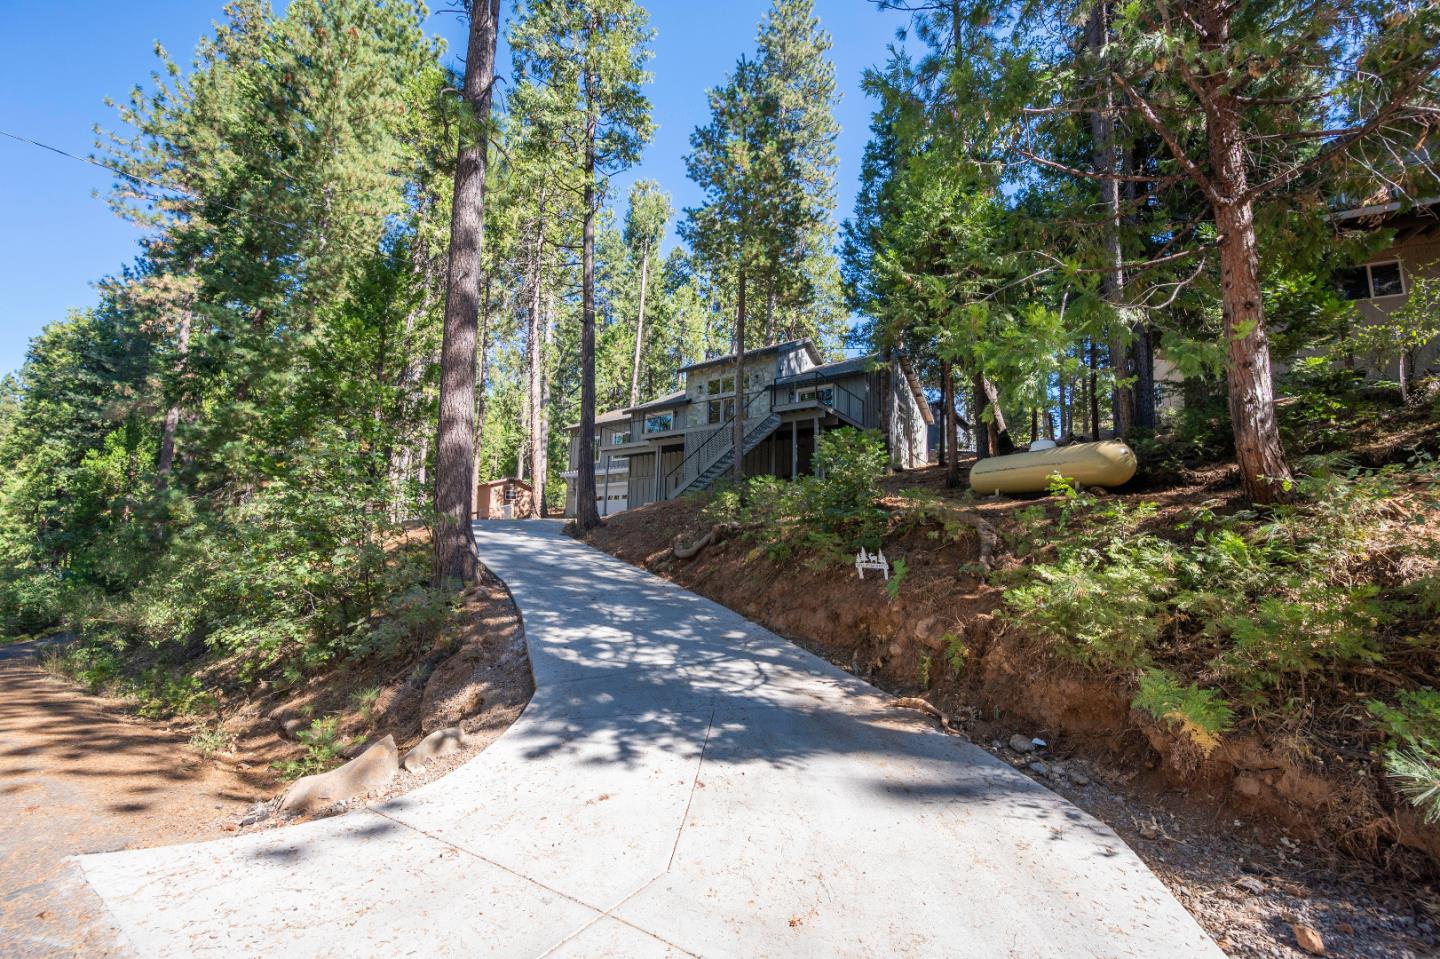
point(78, 775)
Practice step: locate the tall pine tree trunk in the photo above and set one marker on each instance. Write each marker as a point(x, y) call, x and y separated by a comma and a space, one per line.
point(1264, 471)
point(454, 560)
point(770, 338)
point(1143, 359)
point(947, 421)
point(586, 516)
point(978, 402)
point(999, 431)
point(739, 425)
point(1102, 132)
point(536, 404)
point(1093, 390)
point(639, 328)
point(543, 469)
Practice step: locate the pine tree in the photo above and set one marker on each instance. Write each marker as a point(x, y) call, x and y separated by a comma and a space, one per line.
point(587, 58)
point(645, 223)
point(455, 455)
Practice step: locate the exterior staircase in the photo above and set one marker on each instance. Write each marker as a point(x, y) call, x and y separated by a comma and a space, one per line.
point(719, 466)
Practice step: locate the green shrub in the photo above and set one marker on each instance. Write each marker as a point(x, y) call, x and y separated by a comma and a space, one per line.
point(956, 653)
point(1201, 714)
point(1416, 776)
point(1414, 720)
point(323, 747)
point(824, 518)
point(211, 740)
point(1267, 598)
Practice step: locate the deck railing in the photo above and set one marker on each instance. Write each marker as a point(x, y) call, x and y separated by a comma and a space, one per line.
point(716, 443)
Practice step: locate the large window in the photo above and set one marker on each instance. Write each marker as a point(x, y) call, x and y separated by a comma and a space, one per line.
point(721, 386)
point(660, 423)
point(1375, 279)
point(720, 410)
point(619, 439)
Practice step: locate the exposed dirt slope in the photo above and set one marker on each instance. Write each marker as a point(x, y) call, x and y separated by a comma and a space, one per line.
point(80, 773)
point(1251, 814)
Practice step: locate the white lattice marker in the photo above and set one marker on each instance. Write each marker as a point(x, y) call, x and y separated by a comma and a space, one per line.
point(875, 560)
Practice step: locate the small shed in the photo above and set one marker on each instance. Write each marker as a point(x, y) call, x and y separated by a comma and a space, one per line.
point(505, 498)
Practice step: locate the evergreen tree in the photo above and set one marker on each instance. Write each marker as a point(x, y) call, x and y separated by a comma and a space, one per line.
point(587, 60)
point(455, 455)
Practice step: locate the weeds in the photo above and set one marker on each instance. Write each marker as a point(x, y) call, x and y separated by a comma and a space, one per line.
point(211, 740)
point(323, 747)
point(956, 653)
point(898, 570)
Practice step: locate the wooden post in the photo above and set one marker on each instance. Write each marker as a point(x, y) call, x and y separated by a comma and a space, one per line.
point(605, 465)
point(794, 449)
point(659, 482)
point(814, 445)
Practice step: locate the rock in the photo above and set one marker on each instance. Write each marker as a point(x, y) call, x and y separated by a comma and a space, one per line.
point(355, 748)
point(1308, 939)
point(1020, 744)
point(1039, 768)
point(441, 742)
point(1251, 885)
point(1247, 786)
point(1077, 777)
point(374, 767)
point(258, 813)
point(1149, 830)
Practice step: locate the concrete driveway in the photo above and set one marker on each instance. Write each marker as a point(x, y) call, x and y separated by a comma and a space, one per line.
point(683, 783)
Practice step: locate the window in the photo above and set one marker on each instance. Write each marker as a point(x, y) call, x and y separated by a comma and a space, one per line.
point(721, 386)
point(511, 494)
point(619, 439)
point(825, 394)
point(720, 410)
point(1385, 280)
point(1375, 279)
point(660, 423)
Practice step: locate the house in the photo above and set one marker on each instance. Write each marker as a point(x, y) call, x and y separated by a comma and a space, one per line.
point(684, 442)
point(612, 468)
point(1382, 284)
point(503, 498)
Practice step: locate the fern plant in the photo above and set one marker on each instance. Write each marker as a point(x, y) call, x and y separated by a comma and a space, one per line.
point(1200, 714)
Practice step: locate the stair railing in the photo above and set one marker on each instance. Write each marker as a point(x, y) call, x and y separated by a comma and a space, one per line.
point(714, 446)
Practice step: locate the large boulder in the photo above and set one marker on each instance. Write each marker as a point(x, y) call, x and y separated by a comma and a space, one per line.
point(441, 742)
point(373, 768)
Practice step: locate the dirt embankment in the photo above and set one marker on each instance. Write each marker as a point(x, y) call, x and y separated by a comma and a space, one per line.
point(81, 773)
point(943, 637)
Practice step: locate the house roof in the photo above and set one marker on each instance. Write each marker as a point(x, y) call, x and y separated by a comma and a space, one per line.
point(502, 480)
point(678, 398)
point(605, 419)
point(807, 343)
point(857, 364)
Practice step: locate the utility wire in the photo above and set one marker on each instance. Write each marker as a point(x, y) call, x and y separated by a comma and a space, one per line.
point(140, 179)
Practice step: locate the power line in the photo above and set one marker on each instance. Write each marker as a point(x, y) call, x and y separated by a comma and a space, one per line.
point(140, 179)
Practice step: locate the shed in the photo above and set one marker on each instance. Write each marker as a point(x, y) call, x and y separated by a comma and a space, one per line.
point(504, 498)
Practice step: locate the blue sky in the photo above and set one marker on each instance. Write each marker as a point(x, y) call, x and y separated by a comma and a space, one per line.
point(58, 62)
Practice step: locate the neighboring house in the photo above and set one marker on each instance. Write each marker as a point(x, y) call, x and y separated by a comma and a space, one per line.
point(503, 499)
point(1382, 283)
point(684, 441)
